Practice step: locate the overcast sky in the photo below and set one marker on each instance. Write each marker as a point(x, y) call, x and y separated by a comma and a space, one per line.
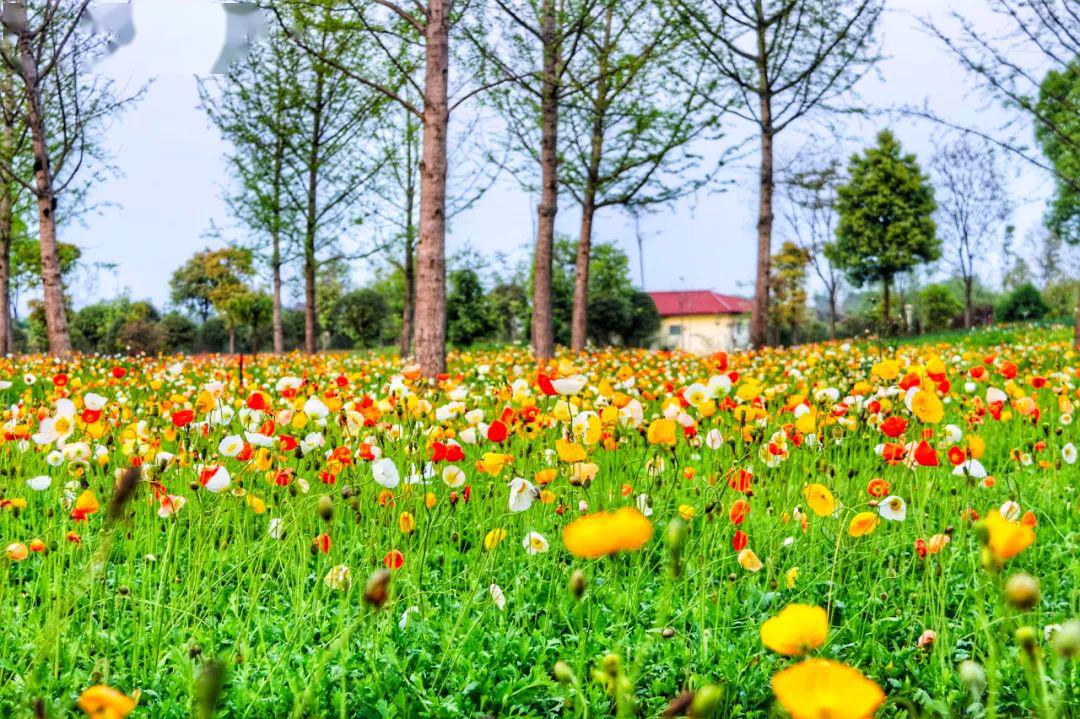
point(169, 192)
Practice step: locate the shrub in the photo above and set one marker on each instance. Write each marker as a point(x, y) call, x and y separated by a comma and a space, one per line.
point(1023, 303)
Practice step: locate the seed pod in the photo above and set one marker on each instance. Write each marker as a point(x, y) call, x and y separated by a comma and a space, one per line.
point(376, 591)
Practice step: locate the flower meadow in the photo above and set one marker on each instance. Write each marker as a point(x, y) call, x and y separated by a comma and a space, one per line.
point(837, 531)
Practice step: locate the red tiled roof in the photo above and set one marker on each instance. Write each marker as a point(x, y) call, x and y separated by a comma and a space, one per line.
point(699, 302)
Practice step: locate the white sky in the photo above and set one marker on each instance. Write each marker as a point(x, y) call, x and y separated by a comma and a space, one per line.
point(173, 166)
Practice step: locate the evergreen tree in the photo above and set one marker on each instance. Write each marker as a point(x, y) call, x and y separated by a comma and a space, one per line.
point(468, 314)
point(885, 224)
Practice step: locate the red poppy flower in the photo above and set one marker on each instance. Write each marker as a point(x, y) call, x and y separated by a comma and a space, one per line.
point(118, 372)
point(894, 426)
point(544, 383)
point(287, 443)
point(183, 418)
point(256, 401)
point(323, 543)
point(925, 455)
point(496, 431)
point(60, 380)
point(739, 540)
point(740, 508)
point(91, 415)
point(394, 559)
point(956, 455)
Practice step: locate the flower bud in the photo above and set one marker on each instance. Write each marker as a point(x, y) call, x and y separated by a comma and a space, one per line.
point(1022, 591)
point(973, 676)
point(375, 593)
point(578, 583)
point(1066, 641)
point(562, 672)
point(705, 702)
point(1028, 639)
point(326, 507)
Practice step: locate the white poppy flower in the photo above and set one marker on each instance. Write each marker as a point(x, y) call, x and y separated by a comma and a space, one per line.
point(970, 468)
point(230, 446)
point(497, 596)
point(385, 473)
point(170, 505)
point(94, 402)
point(642, 504)
point(567, 386)
point(39, 483)
point(522, 494)
point(1010, 510)
point(316, 410)
point(218, 481)
point(257, 439)
point(453, 476)
point(404, 621)
point(1068, 453)
point(276, 528)
point(893, 508)
point(535, 543)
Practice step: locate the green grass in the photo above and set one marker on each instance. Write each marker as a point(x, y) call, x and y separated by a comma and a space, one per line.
point(210, 585)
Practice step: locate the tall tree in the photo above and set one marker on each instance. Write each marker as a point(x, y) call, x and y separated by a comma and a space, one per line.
point(788, 300)
point(1010, 66)
point(257, 107)
point(811, 219)
point(60, 108)
point(210, 280)
point(414, 45)
point(529, 51)
point(885, 224)
point(972, 206)
point(786, 58)
point(1059, 137)
point(628, 144)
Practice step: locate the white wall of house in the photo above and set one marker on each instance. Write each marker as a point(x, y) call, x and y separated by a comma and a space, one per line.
point(704, 334)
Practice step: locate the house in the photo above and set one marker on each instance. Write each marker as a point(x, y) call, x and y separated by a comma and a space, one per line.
point(702, 321)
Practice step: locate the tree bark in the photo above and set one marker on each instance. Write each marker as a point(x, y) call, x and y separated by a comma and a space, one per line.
point(1076, 325)
point(311, 326)
point(6, 221)
point(543, 335)
point(969, 314)
point(885, 312)
point(430, 312)
point(759, 318)
point(408, 268)
point(832, 312)
point(275, 252)
point(409, 304)
point(55, 313)
point(579, 323)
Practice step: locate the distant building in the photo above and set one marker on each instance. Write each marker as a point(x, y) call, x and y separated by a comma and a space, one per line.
point(702, 321)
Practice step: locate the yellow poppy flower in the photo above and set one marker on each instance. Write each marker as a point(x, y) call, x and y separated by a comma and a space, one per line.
point(863, 523)
point(662, 431)
point(927, 407)
point(1006, 539)
point(820, 689)
point(102, 702)
point(797, 629)
point(820, 499)
point(603, 533)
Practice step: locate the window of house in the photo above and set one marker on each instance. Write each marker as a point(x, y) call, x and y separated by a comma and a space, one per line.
point(674, 330)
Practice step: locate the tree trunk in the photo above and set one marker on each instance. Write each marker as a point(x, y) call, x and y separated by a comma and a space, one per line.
point(232, 339)
point(579, 324)
point(885, 313)
point(311, 326)
point(409, 308)
point(408, 269)
point(275, 252)
point(543, 334)
point(1076, 326)
point(430, 312)
point(832, 312)
point(278, 321)
point(55, 313)
point(969, 313)
point(7, 205)
point(759, 318)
